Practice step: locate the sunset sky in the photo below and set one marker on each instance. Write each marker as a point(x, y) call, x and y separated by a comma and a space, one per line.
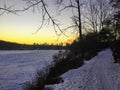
point(20, 28)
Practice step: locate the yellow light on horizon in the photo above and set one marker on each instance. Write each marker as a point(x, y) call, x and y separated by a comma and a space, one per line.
point(25, 37)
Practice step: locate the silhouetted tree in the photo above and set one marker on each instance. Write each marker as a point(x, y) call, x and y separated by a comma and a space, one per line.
point(96, 12)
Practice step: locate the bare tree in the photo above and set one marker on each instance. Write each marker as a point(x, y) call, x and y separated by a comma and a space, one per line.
point(42, 7)
point(96, 12)
point(75, 6)
point(116, 17)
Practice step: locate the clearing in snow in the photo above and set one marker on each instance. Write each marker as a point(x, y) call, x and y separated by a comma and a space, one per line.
point(100, 73)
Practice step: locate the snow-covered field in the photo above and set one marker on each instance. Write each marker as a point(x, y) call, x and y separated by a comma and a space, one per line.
point(17, 67)
point(100, 73)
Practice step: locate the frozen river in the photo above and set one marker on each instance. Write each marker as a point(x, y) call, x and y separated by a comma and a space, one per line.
point(17, 67)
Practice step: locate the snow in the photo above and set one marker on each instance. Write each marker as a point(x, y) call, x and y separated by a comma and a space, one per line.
point(17, 67)
point(4, 52)
point(100, 73)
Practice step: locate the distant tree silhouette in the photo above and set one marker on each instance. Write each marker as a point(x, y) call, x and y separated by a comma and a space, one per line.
point(15, 46)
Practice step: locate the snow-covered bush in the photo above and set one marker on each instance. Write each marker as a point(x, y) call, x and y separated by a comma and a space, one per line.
point(38, 83)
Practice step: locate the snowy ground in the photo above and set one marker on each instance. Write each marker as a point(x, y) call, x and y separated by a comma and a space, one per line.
point(17, 67)
point(98, 74)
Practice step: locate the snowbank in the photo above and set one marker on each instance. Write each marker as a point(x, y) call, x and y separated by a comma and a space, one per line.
point(100, 73)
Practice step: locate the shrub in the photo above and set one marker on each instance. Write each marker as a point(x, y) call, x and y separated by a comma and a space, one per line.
point(62, 62)
point(116, 51)
point(38, 83)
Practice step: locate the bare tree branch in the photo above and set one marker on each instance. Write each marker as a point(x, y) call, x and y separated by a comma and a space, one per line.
point(6, 9)
point(45, 15)
point(67, 7)
point(30, 6)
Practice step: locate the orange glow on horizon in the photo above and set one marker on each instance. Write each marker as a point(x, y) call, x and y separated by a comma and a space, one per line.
point(29, 38)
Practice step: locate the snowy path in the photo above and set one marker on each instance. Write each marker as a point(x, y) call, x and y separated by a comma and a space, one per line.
point(100, 73)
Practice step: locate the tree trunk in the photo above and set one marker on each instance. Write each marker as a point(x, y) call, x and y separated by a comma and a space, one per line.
point(80, 29)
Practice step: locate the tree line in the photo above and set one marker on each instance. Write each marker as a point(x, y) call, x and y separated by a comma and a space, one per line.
point(15, 46)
